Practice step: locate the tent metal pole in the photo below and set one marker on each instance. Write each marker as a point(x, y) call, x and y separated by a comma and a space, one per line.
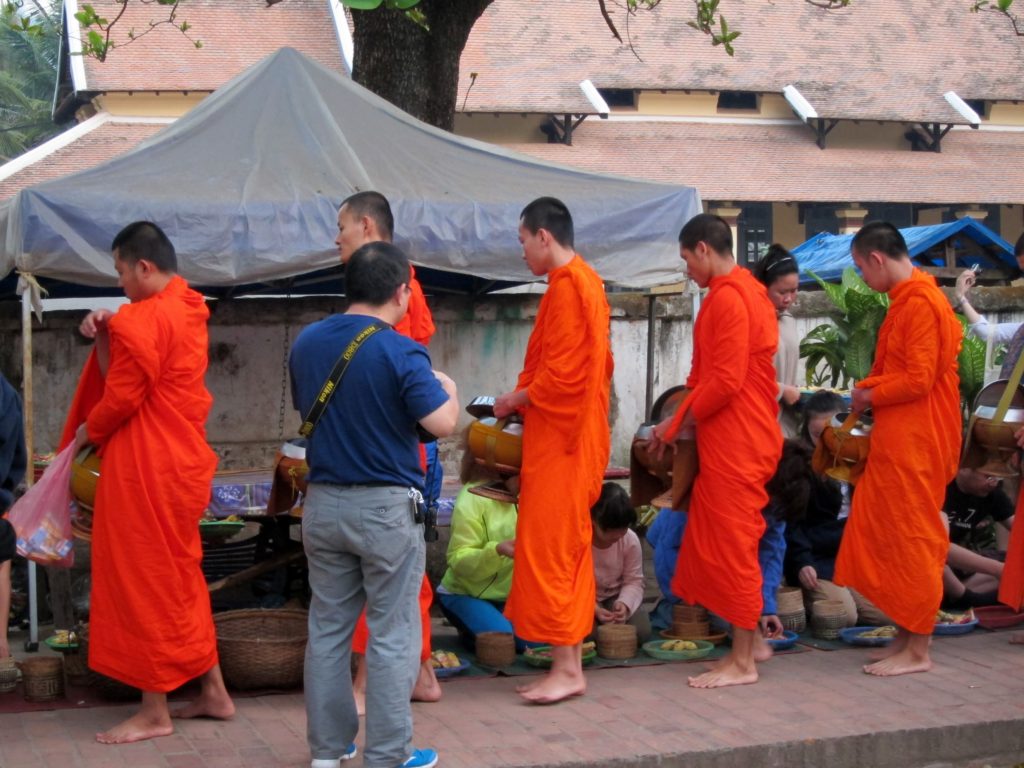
point(652, 306)
point(32, 643)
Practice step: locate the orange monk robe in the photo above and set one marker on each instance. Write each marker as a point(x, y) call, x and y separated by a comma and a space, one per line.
point(150, 622)
point(1011, 583)
point(733, 400)
point(418, 325)
point(894, 545)
point(566, 442)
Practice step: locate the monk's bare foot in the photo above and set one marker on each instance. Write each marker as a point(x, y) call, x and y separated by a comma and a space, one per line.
point(728, 672)
point(220, 707)
point(427, 688)
point(139, 727)
point(526, 687)
point(1017, 638)
point(762, 651)
point(898, 645)
point(554, 687)
point(905, 662)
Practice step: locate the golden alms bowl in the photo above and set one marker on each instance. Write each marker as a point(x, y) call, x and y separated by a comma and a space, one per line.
point(997, 438)
point(85, 474)
point(497, 444)
point(842, 450)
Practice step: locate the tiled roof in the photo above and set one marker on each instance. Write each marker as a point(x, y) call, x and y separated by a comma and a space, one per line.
point(109, 139)
point(782, 163)
point(874, 60)
point(235, 34)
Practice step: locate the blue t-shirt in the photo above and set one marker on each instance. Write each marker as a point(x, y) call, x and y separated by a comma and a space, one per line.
point(367, 433)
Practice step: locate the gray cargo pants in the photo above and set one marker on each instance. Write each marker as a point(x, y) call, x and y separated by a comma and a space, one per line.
point(364, 548)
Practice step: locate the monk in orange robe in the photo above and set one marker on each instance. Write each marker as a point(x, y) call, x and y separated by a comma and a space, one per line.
point(366, 217)
point(146, 405)
point(733, 407)
point(895, 543)
point(562, 393)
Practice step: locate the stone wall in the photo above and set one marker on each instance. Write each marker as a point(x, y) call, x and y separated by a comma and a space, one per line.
point(480, 342)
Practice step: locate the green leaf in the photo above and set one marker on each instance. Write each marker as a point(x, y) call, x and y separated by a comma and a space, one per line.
point(362, 5)
point(835, 293)
point(1004, 5)
point(860, 353)
point(971, 364)
point(402, 5)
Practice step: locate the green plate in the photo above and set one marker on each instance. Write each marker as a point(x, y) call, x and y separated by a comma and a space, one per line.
point(654, 649)
point(219, 530)
point(531, 657)
point(54, 645)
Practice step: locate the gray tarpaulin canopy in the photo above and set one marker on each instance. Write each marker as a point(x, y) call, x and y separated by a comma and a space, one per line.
point(248, 183)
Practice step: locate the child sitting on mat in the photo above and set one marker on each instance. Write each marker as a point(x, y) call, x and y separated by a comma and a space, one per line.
point(618, 563)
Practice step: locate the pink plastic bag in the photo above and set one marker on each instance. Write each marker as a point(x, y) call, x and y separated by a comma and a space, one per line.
point(42, 517)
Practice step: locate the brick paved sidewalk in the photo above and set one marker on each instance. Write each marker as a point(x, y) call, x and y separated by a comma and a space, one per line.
point(809, 710)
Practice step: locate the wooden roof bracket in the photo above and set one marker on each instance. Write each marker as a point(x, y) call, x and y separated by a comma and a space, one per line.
point(931, 135)
point(564, 126)
point(822, 127)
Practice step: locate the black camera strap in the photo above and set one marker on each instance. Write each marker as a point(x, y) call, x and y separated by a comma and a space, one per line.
point(331, 385)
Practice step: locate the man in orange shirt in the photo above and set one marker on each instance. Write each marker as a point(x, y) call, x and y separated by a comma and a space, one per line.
point(733, 406)
point(895, 543)
point(562, 393)
point(366, 217)
point(150, 621)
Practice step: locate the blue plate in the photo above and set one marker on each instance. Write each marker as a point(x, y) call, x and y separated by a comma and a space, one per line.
point(787, 641)
point(855, 636)
point(442, 672)
point(955, 629)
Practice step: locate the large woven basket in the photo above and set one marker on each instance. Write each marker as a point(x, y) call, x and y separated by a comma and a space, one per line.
point(496, 649)
point(616, 641)
point(789, 599)
point(42, 678)
point(262, 648)
point(8, 675)
point(827, 618)
point(106, 687)
point(795, 621)
point(683, 612)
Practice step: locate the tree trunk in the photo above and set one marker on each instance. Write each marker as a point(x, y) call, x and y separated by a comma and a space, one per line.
point(415, 69)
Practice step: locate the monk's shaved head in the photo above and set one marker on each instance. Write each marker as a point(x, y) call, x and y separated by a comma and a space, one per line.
point(710, 229)
point(144, 240)
point(880, 236)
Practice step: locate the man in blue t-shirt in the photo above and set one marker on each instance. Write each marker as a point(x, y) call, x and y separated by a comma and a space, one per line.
point(361, 527)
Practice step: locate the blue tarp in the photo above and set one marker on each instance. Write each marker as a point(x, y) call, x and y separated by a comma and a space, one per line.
point(828, 255)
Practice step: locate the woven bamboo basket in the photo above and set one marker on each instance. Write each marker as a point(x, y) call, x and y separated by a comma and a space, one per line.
point(796, 621)
point(8, 675)
point(42, 678)
point(827, 618)
point(691, 629)
point(262, 648)
point(76, 668)
point(616, 641)
point(789, 599)
point(496, 649)
point(682, 612)
point(107, 687)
